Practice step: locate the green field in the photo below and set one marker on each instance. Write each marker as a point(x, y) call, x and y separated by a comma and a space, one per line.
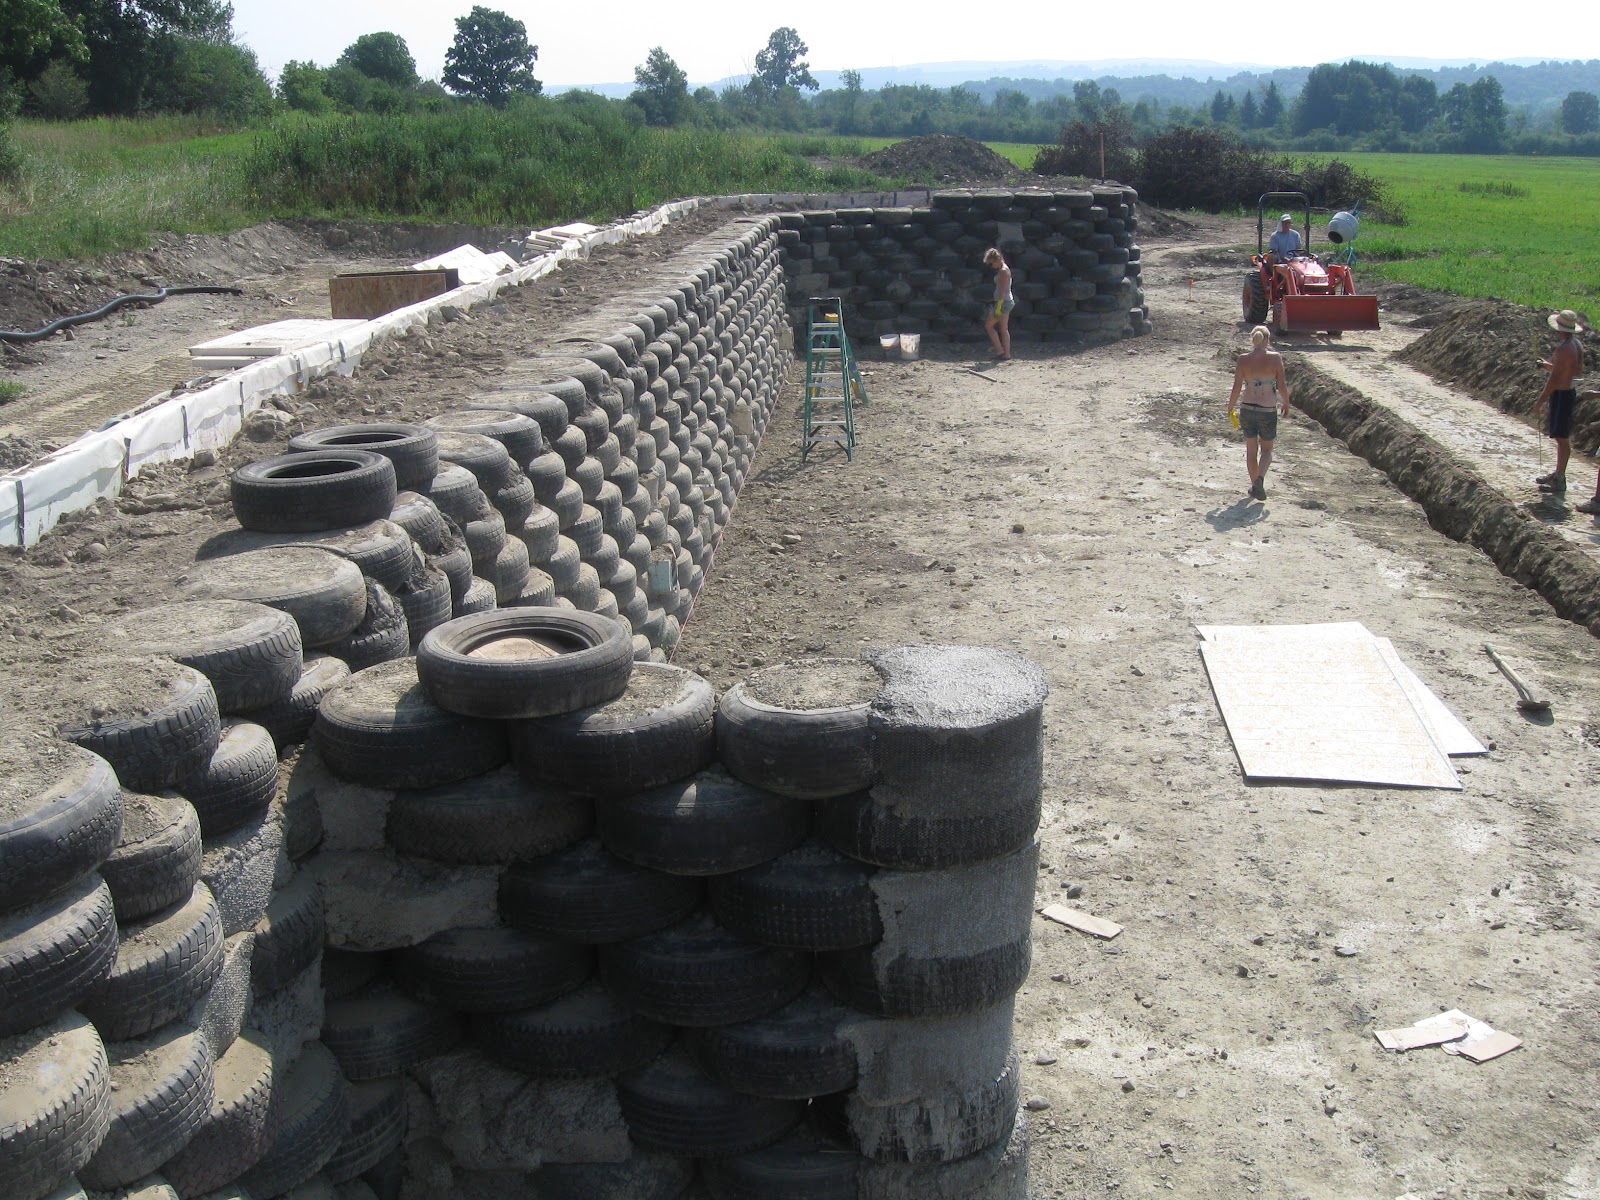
point(1021, 153)
point(1520, 229)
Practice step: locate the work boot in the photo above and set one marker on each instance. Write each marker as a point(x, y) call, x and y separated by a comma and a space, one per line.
point(1556, 485)
point(1591, 506)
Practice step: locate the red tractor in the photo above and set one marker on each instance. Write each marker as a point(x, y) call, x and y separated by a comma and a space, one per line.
point(1302, 294)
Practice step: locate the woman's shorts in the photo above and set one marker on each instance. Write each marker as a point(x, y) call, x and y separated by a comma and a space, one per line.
point(1257, 422)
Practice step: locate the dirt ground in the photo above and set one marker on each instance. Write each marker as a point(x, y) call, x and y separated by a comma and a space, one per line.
point(1089, 511)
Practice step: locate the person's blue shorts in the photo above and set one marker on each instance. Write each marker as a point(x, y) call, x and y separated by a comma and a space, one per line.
point(1258, 422)
point(1562, 404)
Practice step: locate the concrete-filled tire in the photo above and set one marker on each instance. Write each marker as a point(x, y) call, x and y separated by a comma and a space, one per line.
point(323, 591)
point(998, 1172)
point(811, 898)
point(377, 1032)
point(660, 729)
point(491, 970)
point(60, 815)
point(288, 939)
point(426, 603)
point(497, 818)
point(586, 1033)
point(801, 728)
point(943, 1126)
point(55, 1105)
point(238, 1127)
point(795, 1053)
point(587, 894)
point(249, 652)
point(239, 782)
point(376, 1128)
point(168, 731)
point(382, 635)
point(805, 1165)
point(162, 1087)
point(709, 824)
point(412, 450)
point(381, 728)
point(524, 662)
point(157, 860)
point(54, 952)
point(164, 964)
point(312, 1118)
point(286, 722)
point(671, 1105)
point(696, 975)
point(313, 491)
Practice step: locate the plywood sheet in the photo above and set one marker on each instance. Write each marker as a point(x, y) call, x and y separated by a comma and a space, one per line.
point(264, 341)
point(1322, 710)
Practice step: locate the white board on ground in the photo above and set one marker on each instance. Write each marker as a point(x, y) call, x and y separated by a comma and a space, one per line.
point(276, 337)
point(1322, 710)
point(472, 265)
point(1448, 729)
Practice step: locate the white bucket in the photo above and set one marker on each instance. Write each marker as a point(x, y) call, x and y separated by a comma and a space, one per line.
point(890, 343)
point(910, 343)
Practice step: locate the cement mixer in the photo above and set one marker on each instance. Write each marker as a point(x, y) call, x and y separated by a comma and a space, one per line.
point(1303, 294)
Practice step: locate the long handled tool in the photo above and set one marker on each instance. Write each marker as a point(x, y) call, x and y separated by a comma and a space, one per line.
point(1527, 699)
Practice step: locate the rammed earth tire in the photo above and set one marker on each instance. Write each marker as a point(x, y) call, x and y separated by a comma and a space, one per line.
point(157, 861)
point(287, 722)
point(165, 963)
point(376, 1129)
point(382, 635)
point(288, 940)
point(947, 1125)
point(524, 662)
point(659, 730)
point(803, 1166)
point(238, 1127)
point(640, 1176)
point(587, 894)
point(491, 819)
point(795, 1053)
point(587, 1033)
point(313, 1115)
point(162, 1088)
point(55, 1104)
point(801, 728)
point(426, 603)
point(379, 1032)
point(54, 952)
point(324, 592)
point(239, 782)
point(249, 652)
point(314, 491)
point(423, 522)
point(491, 970)
point(672, 1106)
point(998, 1172)
point(809, 899)
point(412, 450)
point(172, 733)
point(60, 816)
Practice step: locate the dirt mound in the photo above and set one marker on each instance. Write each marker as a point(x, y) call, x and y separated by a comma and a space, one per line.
point(1487, 349)
point(941, 159)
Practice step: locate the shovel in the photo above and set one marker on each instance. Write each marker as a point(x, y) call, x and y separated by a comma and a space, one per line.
point(1527, 700)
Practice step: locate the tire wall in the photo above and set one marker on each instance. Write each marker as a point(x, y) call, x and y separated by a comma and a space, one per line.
point(1073, 255)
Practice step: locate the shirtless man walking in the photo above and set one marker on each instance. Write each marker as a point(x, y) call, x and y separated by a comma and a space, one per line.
point(1565, 365)
point(1259, 375)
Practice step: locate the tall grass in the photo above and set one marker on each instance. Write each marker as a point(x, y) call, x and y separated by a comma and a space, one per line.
point(532, 164)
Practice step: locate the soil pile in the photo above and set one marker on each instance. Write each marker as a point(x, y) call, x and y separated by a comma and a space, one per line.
point(34, 294)
point(941, 159)
point(1486, 348)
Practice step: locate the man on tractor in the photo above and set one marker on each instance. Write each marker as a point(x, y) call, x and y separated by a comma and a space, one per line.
point(1284, 245)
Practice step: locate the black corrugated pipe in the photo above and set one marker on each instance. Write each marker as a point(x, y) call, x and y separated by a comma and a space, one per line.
point(111, 306)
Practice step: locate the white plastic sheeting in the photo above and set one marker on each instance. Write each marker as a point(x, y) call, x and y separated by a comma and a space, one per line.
point(169, 429)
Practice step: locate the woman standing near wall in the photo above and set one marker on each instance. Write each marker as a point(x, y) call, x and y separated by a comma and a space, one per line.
point(998, 322)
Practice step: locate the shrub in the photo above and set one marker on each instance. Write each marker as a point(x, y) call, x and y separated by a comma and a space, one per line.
point(1084, 144)
point(58, 94)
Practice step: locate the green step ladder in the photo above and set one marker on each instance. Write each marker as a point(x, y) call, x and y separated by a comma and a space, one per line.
point(833, 381)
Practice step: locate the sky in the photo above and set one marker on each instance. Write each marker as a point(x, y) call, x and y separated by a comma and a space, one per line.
point(714, 39)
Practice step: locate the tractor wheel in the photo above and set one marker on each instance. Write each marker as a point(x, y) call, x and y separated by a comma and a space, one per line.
point(1254, 305)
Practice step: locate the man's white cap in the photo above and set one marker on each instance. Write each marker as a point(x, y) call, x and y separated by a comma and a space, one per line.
point(1285, 217)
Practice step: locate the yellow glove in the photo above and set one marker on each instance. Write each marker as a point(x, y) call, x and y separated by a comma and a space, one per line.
point(1233, 415)
point(999, 308)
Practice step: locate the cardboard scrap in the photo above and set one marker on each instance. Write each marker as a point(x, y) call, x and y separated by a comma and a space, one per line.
point(1081, 921)
point(1454, 1032)
point(1424, 1033)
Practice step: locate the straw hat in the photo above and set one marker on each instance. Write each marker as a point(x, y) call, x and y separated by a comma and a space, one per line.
point(1565, 321)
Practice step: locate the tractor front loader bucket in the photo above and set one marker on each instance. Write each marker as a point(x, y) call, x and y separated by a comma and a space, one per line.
point(1327, 314)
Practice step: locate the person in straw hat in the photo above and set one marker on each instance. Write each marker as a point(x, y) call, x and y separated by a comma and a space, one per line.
point(1565, 365)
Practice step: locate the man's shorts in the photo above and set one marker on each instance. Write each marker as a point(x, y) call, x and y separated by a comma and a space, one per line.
point(1257, 422)
point(1562, 403)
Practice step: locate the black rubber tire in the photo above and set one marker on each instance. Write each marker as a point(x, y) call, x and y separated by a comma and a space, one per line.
point(586, 1033)
point(515, 502)
point(801, 728)
point(491, 970)
point(288, 940)
point(486, 537)
point(572, 445)
point(563, 566)
point(380, 728)
point(313, 491)
point(795, 1053)
point(456, 494)
point(604, 558)
point(587, 531)
point(547, 473)
point(510, 571)
point(424, 524)
point(381, 549)
point(288, 722)
point(239, 782)
point(640, 1177)
point(926, 987)
point(249, 652)
point(539, 592)
point(489, 819)
point(60, 816)
point(480, 597)
point(549, 411)
point(596, 425)
point(162, 1088)
point(164, 964)
point(55, 1105)
point(324, 592)
point(412, 450)
point(172, 733)
point(697, 974)
point(567, 503)
point(661, 729)
point(999, 1172)
point(1254, 304)
point(157, 861)
point(456, 563)
point(803, 1166)
point(346, 972)
point(376, 1129)
point(672, 1106)
point(951, 1124)
point(239, 1126)
point(710, 824)
point(520, 435)
point(591, 664)
point(874, 830)
point(426, 605)
point(53, 953)
point(587, 894)
point(379, 1032)
point(809, 899)
point(486, 458)
point(312, 1118)
point(382, 635)
point(590, 477)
